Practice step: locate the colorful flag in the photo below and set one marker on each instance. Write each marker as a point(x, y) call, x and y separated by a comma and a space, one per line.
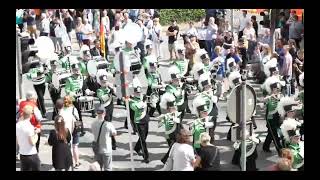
point(102, 39)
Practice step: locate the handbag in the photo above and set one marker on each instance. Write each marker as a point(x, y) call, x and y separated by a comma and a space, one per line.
point(95, 144)
point(77, 124)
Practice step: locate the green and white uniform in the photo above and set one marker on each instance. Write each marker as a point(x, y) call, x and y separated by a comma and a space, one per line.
point(36, 75)
point(178, 92)
point(298, 155)
point(147, 59)
point(139, 107)
point(153, 79)
point(272, 104)
point(197, 128)
point(170, 122)
point(105, 96)
point(83, 69)
point(181, 65)
point(74, 86)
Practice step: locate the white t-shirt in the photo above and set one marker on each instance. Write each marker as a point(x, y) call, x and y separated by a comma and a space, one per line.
point(45, 24)
point(68, 117)
point(183, 155)
point(24, 129)
point(156, 30)
point(105, 135)
point(86, 29)
point(192, 31)
point(243, 22)
point(250, 34)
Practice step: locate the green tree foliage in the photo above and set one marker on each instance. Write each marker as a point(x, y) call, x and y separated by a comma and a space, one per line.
point(181, 15)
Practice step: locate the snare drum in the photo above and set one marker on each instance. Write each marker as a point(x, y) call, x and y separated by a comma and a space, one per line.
point(135, 63)
point(86, 103)
point(63, 79)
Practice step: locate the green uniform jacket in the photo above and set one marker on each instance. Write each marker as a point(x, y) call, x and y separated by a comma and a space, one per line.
point(83, 69)
point(168, 121)
point(139, 107)
point(198, 127)
point(105, 96)
point(33, 76)
point(178, 92)
point(153, 79)
point(298, 160)
point(74, 85)
point(181, 64)
point(272, 104)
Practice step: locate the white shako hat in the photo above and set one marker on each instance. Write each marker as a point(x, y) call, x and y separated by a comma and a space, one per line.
point(270, 67)
point(148, 44)
point(234, 78)
point(204, 80)
point(199, 104)
point(290, 128)
point(230, 63)
point(197, 70)
point(287, 104)
point(173, 72)
point(270, 83)
point(167, 100)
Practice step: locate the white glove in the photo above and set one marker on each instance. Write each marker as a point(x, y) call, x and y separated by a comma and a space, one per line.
point(176, 120)
point(208, 124)
point(87, 92)
point(236, 145)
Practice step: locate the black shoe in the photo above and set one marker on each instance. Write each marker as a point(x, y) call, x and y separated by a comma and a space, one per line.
point(188, 111)
point(82, 134)
point(266, 150)
point(146, 161)
point(93, 115)
point(114, 147)
point(119, 102)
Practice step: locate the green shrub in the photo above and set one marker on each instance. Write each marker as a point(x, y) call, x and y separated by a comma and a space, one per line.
point(181, 15)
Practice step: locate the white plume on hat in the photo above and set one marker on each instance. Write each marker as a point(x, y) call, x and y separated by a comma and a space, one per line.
point(166, 97)
point(83, 48)
point(148, 42)
point(151, 59)
point(268, 82)
point(173, 70)
point(136, 82)
point(197, 67)
point(285, 101)
point(204, 77)
point(233, 75)
point(229, 61)
point(272, 63)
point(73, 60)
point(102, 72)
point(197, 101)
point(287, 125)
point(198, 55)
point(301, 79)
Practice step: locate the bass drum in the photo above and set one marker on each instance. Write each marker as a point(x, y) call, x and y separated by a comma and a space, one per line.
point(92, 68)
point(234, 106)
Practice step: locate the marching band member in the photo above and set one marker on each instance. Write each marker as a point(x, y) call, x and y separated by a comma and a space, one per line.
point(55, 93)
point(251, 152)
point(170, 120)
point(75, 87)
point(182, 64)
point(37, 75)
point(272, 86)
point(202, 123)
point(149, 57)
point(290, 130)
point(177, 88)
point(206, 91)
point(105, 95)
point(154, 85)
point(141, 120)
